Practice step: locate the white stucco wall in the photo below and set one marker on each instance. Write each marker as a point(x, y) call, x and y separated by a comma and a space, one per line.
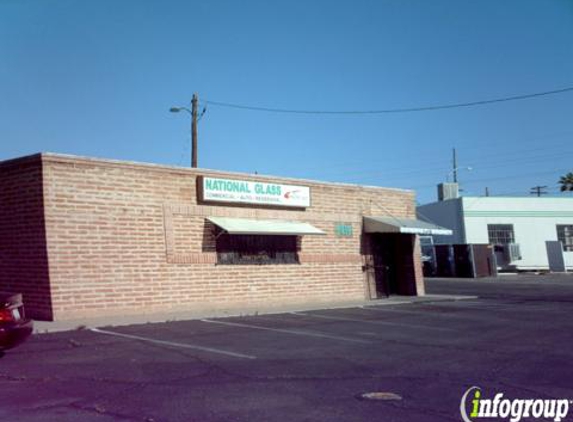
point(534, 221)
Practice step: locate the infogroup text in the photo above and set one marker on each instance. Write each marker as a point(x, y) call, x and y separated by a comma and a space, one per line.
point(474, 407)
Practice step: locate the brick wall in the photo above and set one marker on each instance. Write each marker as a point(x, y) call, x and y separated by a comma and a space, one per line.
point(23, 252)
point(131, 238)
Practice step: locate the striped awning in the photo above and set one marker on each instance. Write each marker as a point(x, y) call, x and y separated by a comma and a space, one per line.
point(403, 225)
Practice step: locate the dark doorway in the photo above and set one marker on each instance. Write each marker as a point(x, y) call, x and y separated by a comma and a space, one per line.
point(463, 258)
point(393, 262)
point(445, 263)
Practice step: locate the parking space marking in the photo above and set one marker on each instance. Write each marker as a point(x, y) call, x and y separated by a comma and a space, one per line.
point(419, 311)
point(504, 309)
point(422, 313)
point(395, 311)
point(403, 324)
point(481, 305)
point(288, 331)
point(487, 305)
point(173, 344)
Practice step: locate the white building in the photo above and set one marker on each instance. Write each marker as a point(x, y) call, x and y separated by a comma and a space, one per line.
point(527, 222)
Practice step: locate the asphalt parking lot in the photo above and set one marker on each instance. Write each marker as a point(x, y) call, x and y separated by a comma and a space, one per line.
point(516, 338)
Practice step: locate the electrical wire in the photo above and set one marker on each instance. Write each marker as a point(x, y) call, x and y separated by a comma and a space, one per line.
point(491, 179)
point(340, 167)
point(183, 153)
point(391, 110)
point(393, 175)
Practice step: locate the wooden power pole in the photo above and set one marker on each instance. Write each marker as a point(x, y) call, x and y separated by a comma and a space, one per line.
point(194, 102)
point(538, 190)
point(455, 165)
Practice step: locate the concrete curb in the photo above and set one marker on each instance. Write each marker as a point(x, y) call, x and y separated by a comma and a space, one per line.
point(44, 327)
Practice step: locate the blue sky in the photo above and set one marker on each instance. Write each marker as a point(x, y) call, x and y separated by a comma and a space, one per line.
point(97, 77)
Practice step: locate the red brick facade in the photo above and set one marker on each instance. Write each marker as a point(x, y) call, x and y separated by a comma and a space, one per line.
point(126, 238)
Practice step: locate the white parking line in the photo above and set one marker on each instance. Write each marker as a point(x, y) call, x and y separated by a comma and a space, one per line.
point(170, 343)
point(394, 311)
point(496, 307)
point(420, 313)
point(473, 304)
point(402, 324)
point(288, 331)
point(452, 310)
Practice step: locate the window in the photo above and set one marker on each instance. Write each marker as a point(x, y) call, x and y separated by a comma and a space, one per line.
point(257, 249)
point(565, 235)
point(500, 234)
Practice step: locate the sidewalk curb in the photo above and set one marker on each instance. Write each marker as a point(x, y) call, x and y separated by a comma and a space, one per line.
point(46, 327)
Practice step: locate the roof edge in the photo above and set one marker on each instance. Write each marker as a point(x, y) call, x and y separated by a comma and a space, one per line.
point(37, 157)
point(58, 157)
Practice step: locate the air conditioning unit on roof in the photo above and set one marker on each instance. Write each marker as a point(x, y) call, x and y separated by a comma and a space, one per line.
point(448, 191)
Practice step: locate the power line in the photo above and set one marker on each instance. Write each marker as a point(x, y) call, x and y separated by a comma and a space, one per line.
point(538, 190)
point(391, 110)
point(341, 167)
point(427, 172)
point(552, 192)
point(490, 179)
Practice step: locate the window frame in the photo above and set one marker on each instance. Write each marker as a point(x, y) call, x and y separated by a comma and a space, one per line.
point(565, 236)
point(493, 233)
point(239, 249)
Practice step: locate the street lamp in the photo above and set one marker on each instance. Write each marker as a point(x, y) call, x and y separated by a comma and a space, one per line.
point(455, 171)
point(193, 113)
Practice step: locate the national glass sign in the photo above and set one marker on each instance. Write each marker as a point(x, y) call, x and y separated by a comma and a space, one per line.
point(245, 192)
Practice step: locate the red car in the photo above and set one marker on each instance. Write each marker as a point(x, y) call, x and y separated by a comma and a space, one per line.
point(14, 326)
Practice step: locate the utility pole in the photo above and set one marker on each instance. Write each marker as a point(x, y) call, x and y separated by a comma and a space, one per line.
point(538, 190)
point(455, 164)
point(194, 102)
point(193, 113)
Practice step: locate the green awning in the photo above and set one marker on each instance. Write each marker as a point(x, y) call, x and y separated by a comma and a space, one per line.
point(403, 225)
point(268, 227)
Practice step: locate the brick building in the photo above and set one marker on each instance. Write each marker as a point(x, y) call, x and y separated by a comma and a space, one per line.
point(82, 237)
